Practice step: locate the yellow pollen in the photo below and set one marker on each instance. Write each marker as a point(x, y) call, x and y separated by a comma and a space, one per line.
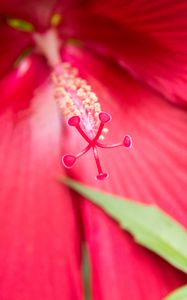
point(105, 130)
point(74, 96)
point(55, 20)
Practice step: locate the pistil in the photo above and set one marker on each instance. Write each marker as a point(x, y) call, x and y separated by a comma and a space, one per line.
point(78, 103)
point(69, 160)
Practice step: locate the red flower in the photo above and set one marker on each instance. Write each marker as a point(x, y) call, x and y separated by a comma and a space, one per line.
point(133, 56)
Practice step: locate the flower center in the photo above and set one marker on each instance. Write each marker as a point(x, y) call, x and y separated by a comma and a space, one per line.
point(78, 103)
point(48, 44)
point(73, 94)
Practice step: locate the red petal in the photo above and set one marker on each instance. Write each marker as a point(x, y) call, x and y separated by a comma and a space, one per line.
point(38, 13)
point(154, 170)
point(146, 38)
point(18, 87)
point(39, 253)
point(13, 43)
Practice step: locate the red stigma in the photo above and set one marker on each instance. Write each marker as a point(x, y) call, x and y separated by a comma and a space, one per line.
point(69, 160)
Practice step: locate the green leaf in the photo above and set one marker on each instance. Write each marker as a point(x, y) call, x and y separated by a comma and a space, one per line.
point(179, 294)
point(150, 226)
point(86, 273)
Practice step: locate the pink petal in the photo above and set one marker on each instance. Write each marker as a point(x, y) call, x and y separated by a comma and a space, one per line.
point(148, 39)
point(13, 43)
point(154, 170)
point(39, 233)
point(18, 87)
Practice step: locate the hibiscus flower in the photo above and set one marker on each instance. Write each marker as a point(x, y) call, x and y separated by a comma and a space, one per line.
point(133, 55)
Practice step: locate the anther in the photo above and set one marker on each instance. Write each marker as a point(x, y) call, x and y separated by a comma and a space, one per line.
point(77, 95)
